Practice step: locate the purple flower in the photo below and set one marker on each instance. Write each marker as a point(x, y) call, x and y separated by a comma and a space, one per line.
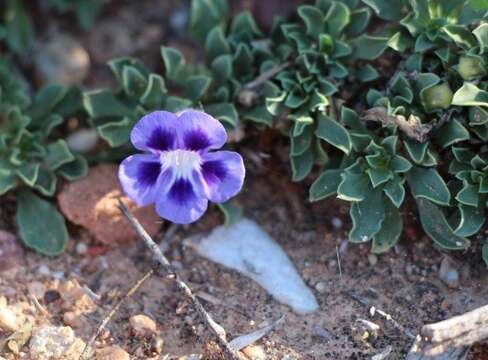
point(178, 172)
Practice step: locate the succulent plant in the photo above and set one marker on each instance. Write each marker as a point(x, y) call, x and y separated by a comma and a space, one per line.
point(378, 132)
point(31, 160)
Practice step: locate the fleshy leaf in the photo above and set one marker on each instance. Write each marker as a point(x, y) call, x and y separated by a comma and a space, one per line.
point(41, 226)
point(390, 231)
point(428, 184)
point(436, 226)
point(325, 185)
point(367, 217)
point(334, 133)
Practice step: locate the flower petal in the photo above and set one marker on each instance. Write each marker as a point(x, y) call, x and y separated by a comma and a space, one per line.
point(199, 131)
point(181, 204)
point(155, 131)
point(223, 173)
point(142, 178)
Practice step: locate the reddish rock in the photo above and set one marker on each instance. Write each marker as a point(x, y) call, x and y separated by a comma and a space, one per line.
point(93, 203)
point(11, 253)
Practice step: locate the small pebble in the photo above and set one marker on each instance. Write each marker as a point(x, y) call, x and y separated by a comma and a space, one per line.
point(372, 259)
point(321, 287)
point(336, 223)
point(113, 353)
point(8, 320)
point(254, 352)
point(157, 345)
point(82, 140)
point(448, 273)
point(52, 342)
point(142, 325)
point(43, 270)
point(81, 248)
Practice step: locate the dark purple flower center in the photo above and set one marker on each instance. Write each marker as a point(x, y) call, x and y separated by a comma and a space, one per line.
point(182, 192)
point(196, 140)
point(161, 139)
point(148, 172)
point(214, 171)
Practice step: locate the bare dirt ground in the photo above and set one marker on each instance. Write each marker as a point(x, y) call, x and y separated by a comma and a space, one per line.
point(404, 283)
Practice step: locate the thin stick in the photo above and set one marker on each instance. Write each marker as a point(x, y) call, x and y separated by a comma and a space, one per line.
point(165, 265)
point(339, 261)
point(112, 312)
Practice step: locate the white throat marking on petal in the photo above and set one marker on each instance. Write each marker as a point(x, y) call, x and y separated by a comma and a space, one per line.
point(182, 162)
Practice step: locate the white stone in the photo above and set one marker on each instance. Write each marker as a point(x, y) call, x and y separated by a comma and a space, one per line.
point(245, 247)
point(52, 342)
point(8, 320)
point(82, 140)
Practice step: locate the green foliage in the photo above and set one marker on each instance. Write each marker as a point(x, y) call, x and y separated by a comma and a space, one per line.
point(422, 79)
point(31, 158)
point(41, 226)
point(17, 28)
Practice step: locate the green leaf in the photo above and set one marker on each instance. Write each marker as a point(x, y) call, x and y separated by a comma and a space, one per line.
point(471, 67)
point(313, 19)
point(58, 153)
point(243, 59)
point(301, 165)
point(74, 170)
point(428, 184)
point(471, 220)
point(205, 14)
point(368, 73)
point(451, 133)
point(436, 97)
point(470, 95)
point(353, 187)
point(386, 9)
point(461, 36)
point(45, 182)
point(367, 217)
point(19, 29)
point(116, 133)
point(334, 133)
point(232, 213)
point(103, 103)
point(369, 47)
point(337, 18)
point(390, 231)
point(216, 44)
point(358, 22)
point(481, 33)
point(225, 112)
point(301, 142)
point(416, 150)
point(222, 68)
point(379, 176)
point(28, 173)
point(436, 226)
point(176, 104)
point(325, 185)
point(260, 115)
point(45, 101)
point(399, 164)
point(244, 23)
point(155, 92)
point(468, 195)
point(196, 86)
point(41, 226)
point(133, 81)
point(7, 181)
point(174, 62)
point(395, 191)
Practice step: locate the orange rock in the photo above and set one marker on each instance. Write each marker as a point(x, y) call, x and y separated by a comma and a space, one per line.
point(93, 203)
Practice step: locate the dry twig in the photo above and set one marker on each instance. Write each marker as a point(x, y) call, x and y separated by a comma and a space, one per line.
point(164, 264)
